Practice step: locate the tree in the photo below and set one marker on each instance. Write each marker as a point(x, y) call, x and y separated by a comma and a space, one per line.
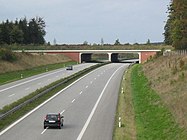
point(148, 42)
point(117, 42)
point(22, 31)
point(16, 35)
point(85, 43)
point(176, 26)
point(36, 30)
point(102, 42)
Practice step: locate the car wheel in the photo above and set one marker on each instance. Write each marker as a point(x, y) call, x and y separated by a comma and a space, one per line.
point(44, 127)
point(60, 127)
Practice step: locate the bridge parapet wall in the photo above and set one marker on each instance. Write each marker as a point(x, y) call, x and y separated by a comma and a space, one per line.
point(72, 55)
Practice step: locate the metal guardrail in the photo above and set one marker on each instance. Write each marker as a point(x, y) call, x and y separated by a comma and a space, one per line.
point(64, 80)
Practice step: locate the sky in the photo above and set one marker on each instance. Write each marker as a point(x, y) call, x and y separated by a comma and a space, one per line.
point(76, 21)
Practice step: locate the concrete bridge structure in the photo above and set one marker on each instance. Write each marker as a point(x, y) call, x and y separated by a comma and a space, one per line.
point(85, 55)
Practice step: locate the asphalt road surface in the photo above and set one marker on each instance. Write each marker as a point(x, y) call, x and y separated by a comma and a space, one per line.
point(11, 92)
point(88, 106)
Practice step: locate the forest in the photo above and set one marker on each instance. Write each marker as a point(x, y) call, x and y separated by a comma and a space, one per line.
point(23, 31)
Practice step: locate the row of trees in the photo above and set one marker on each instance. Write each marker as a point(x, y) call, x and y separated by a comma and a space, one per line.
point(23, 31)
point(176, 25)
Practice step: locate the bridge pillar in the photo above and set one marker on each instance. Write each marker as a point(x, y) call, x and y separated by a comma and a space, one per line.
point(109, 57)
point(139, 57)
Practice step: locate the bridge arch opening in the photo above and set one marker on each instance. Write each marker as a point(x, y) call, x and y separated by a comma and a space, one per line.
point(126, 57)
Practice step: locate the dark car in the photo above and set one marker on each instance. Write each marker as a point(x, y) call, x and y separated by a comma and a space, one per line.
point(53, 120)
point(69, 68)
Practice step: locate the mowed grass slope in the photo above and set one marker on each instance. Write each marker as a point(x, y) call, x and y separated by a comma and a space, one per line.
point(147, 111)
point(167, 75)
point(29, 65)
point(153, 118)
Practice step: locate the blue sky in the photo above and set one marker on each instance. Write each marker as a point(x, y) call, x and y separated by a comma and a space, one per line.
point(76, 21)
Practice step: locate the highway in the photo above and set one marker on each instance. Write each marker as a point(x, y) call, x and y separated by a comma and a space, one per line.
point(11, 92)
point(88, 106)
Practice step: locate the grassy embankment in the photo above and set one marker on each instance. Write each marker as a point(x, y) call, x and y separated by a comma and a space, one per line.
point(144, 113)
point(29, 65)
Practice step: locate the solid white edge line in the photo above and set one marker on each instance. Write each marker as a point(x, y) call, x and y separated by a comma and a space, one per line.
point(29, 81)
point(95, 106)
point(22, 118)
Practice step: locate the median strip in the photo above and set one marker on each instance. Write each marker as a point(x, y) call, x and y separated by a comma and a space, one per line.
point(12, 112)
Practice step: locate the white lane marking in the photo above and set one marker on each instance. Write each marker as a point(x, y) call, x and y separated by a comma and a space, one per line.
point(39, 83)
point(11, 95)
point(91, 82)
point(86, 86)
point(95, 78)
point(95, 106)
point(29, 81)
point(44, 131)
point(98, 75)
point(73, 100)
point(32, 111)
point(62, 111)
point(27, 88)
point(80, 93)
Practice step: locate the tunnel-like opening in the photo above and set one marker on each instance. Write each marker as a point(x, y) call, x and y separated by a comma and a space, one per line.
point(110, 57)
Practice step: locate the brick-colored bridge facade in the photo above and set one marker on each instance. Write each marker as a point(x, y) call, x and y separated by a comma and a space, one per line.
point(84, 55)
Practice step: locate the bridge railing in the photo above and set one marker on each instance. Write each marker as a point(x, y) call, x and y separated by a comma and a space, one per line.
point(175, 53)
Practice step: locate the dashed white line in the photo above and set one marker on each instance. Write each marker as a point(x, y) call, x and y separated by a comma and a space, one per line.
point(44, 131)
point(80, 93)
point(95, 78)
point(73, 100)
point(62, 111)
point(27, 88)
point(91, 82)
point(29, 81)
point(95, 106)
point(11, 95)
point(86, 86)
point(39, 83)
point(29, 113)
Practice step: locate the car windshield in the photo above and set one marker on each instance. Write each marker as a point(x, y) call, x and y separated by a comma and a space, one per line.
point(52, 117)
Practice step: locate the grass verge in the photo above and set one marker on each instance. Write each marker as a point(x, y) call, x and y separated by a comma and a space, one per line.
point(16, 115)
point(143, 113)
point(152, 117)
point(125, 110)
point(16, 75)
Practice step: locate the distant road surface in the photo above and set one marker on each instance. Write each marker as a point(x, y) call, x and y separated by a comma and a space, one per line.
point(88, 106)
point(11, 92)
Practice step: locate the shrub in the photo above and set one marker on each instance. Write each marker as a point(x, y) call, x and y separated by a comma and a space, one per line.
point(7, 55)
